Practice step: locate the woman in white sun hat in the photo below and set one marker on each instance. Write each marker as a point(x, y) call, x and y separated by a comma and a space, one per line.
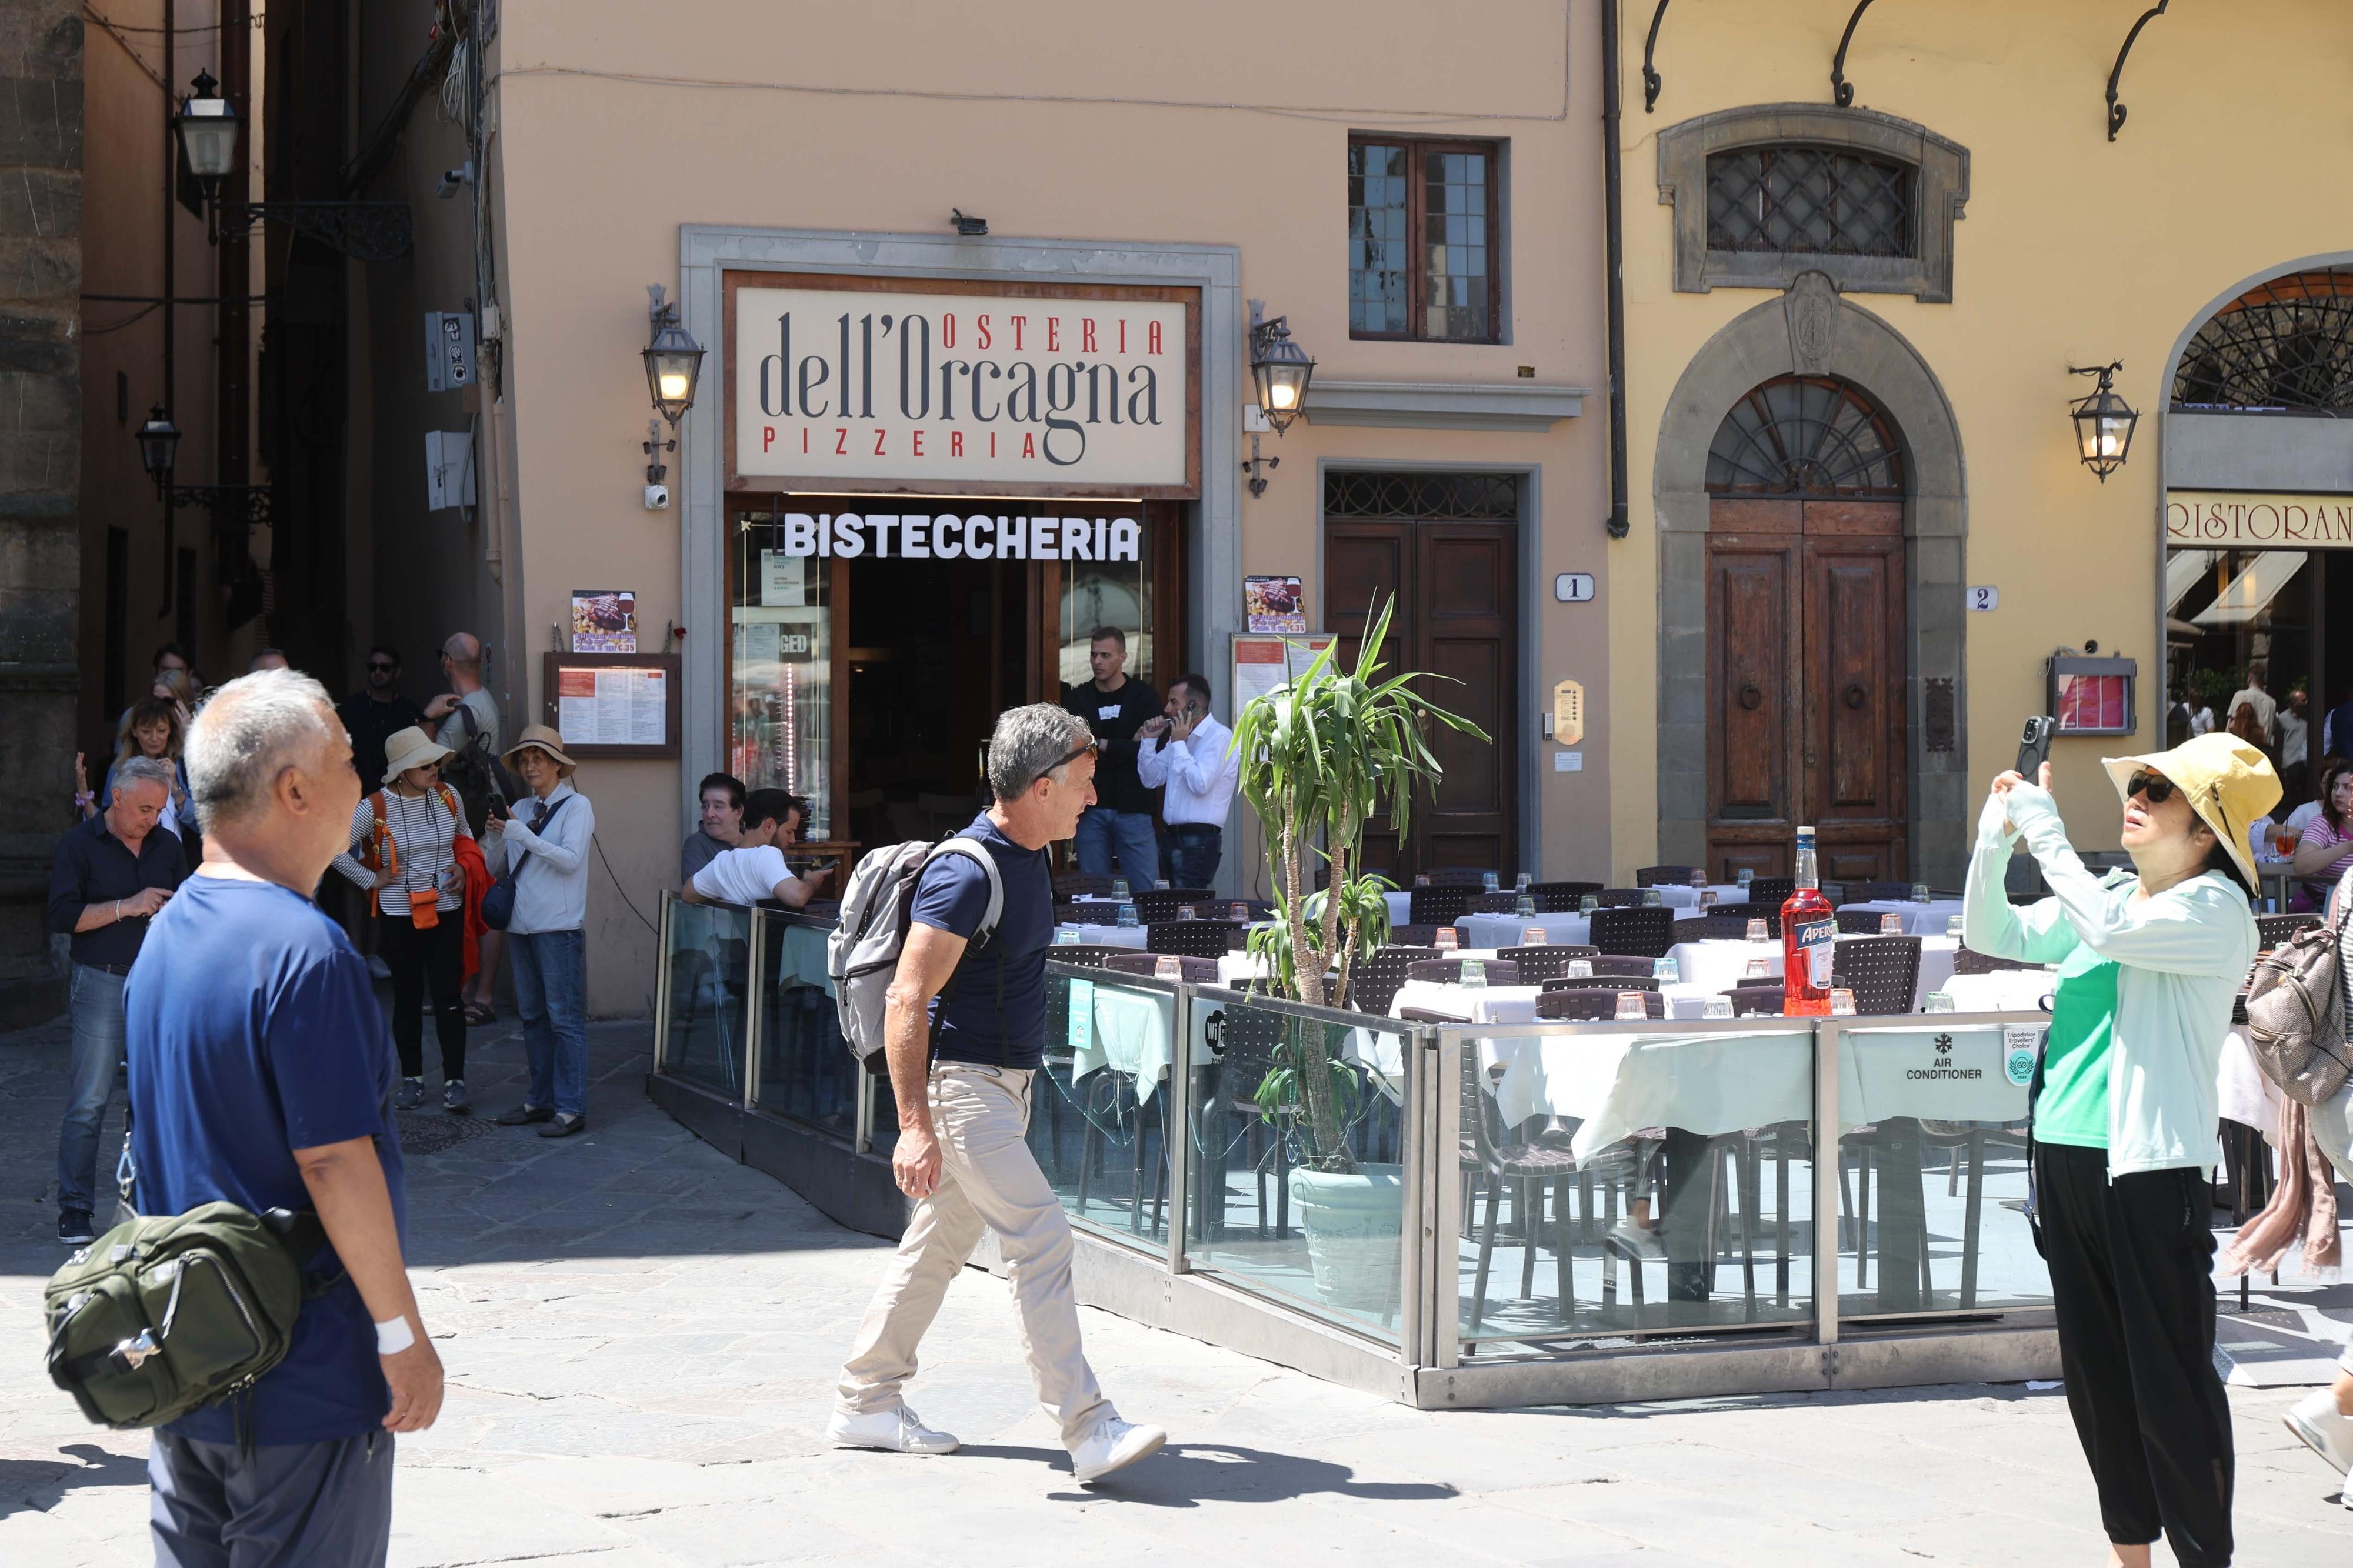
point(2123, 1111)
point(404, 850)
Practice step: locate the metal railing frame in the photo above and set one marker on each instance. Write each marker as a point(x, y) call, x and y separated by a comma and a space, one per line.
point(1428, 1305)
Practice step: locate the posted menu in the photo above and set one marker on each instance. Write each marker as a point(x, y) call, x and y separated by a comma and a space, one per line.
point(612, 707)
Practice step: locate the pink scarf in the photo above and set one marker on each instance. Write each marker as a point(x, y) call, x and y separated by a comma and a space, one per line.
point(2302, 1204)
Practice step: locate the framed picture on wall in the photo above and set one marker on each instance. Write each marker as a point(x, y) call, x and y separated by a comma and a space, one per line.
point(1276, 605)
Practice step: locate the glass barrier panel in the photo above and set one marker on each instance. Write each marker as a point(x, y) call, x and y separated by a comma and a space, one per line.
point(1298, 1196)
point(1624, 1180)
point(1098, 1109)
point(709, 960)
point(1932, 1171)
point(806, 1073)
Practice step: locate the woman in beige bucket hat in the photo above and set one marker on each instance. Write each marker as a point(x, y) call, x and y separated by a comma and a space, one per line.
point(547, 840)
point(2122, 1110)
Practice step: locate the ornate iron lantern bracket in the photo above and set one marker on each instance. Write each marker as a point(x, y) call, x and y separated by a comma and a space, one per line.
point(232, 506)
point(2116, 75)
point(1651, 81)
point(1841, 90)
point(365, 231)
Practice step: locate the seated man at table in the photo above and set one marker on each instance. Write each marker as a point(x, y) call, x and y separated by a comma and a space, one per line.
point(756, 869)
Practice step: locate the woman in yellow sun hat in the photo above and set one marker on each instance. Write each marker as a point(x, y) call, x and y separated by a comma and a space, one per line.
point(2123, 1111)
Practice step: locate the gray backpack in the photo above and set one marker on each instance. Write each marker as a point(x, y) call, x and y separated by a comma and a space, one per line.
point(862, 953)
point(2296, 1011)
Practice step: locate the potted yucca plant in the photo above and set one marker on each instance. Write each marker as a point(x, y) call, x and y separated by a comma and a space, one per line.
point(1320, 757)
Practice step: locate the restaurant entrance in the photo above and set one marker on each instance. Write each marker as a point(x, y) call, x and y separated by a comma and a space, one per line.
point(1806, 617)
point(870, 651)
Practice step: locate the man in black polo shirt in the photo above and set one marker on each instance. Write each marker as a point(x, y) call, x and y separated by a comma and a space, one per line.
point(112, 872)
point(1118, 829)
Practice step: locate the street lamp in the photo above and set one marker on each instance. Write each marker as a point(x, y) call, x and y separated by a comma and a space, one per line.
point(2104, 422)
point(1280, 367)
point(207, 128)
point(159, 445)
point(673, 359)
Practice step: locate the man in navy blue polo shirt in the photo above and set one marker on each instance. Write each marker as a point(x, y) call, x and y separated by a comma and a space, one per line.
point(262, 1075)
point(113, 872)
point(963, 1111)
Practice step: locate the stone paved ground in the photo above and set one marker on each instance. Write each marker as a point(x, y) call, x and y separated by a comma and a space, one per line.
point(641, 1336)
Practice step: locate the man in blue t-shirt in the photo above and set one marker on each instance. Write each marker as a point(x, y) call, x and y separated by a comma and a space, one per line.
point(961, 1068)
point(261, 1075)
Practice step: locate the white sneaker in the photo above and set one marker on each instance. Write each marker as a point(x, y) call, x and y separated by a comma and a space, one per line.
point(1113, 1446)
point(896, 1431)
point(2316, 1420)
point(1633, 1241)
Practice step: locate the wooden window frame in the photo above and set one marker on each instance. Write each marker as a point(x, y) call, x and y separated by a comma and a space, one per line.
point(1417, 208)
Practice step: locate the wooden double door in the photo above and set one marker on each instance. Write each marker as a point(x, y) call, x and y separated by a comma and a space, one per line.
point(1805, 686)
point(1456, 589)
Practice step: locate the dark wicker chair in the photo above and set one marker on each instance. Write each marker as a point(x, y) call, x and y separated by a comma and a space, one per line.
point(1884, 973)
point(1196, 939)
point(1417, 936)
point(1156, 904)
point(1493, 903)
point(1771, 891)
point(1449, 971)
point(1489, 1160)
point(1714, 927)
point(1538, 965)
point(1619, 898)
point(1440, 906)
point(1461, 876)
point(1072, 882)
point(1562, 898)
point(1969, 961)
point(1648, 931)
point(1088, 954)
point(1878, 892)
point(1373, 982)
point(1602, 982)
point(1197, 971)
point(1756, 1000)
point(1223, 908)
point(1590, 1005)
point(1665, 876)
point(1858, 922)
point(2273, 929)
point(1624, 963)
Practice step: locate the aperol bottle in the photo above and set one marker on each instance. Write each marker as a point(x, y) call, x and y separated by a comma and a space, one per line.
point(1808, 929)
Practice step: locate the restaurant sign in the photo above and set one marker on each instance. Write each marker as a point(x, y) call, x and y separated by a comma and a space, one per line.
point(2238, 520)
point(910, 536)
point(845, 386)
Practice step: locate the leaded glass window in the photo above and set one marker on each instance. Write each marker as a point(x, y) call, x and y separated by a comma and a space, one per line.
point(1423, 238)
point(1810, 201)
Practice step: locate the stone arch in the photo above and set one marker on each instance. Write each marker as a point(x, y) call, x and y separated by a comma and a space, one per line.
point(1811, 330)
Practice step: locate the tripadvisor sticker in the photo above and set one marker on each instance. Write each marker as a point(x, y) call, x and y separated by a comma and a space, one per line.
point(2018, 1049)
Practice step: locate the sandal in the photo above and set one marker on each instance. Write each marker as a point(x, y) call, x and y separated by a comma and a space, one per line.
point(480, 1012)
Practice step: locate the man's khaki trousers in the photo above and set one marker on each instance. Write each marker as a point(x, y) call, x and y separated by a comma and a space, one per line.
point(988, 1178)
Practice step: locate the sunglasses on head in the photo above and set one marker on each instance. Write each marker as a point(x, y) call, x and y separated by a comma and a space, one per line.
point(2155, 788)
point(1064, 760)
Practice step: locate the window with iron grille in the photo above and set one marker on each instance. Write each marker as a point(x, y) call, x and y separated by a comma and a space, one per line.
point(1424, 239)
point(1805, 435)
point(2285, 345)
point(1812, 201)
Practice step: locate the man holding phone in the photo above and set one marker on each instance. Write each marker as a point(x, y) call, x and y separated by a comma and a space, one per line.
point(1190, 753)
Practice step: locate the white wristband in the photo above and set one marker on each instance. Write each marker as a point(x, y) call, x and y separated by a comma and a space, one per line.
point(394, 1336)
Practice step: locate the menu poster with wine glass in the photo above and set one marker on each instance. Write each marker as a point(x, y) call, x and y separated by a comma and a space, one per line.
point(614, 705)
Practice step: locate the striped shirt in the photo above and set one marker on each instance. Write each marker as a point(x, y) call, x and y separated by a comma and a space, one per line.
point(425, 840)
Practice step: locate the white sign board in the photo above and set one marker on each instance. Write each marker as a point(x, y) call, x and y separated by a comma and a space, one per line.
point(2248, 521)
point(448, 468)
point(1573, 587)
point(950, 536)
point(835, 384)
point(1985, 598)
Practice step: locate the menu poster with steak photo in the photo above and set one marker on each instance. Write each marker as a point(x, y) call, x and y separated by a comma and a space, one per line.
point(1275, 605)
point(604, 620)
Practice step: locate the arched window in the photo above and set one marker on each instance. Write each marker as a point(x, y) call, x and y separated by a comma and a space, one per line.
point(2284, 345)
point(1800, 435)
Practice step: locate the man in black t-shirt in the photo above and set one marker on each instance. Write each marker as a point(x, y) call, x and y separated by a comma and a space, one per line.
point(1118, 829)
point(376, 713)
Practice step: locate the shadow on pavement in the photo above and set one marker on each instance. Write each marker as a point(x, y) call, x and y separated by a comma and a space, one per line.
point(37, 1486)
point(1188, 1475)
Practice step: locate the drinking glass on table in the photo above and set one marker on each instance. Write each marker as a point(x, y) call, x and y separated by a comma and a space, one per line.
point(1447, 939)
point(1127, 915)
point(1066, 936)
point(1841, 1003)
point(1631, 1004)
point(1698, 878)
point(1168, 968)
point(1756, 932)
point(1525, 905)
point(1952, 925)
point(1939, 1002)
point(1919, 892)
point(1119, 887)
point(1667, 972)
point(1891, 924)
point(1587, 903)
point(1532, 936)
point(1487, 882)
point(1522, 885)
point(1580, 968)
point(1240, 912)
point(1475, 972)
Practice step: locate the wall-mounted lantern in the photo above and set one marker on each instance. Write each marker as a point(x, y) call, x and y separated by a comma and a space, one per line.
point(2104, 422)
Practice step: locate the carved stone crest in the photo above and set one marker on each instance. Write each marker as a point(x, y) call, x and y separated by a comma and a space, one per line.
point(1812, 305)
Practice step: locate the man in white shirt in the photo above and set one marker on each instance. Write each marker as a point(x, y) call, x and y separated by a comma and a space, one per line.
point(2265, 705)
point(756, 869)
point(1192, 755)
point(2294, 742)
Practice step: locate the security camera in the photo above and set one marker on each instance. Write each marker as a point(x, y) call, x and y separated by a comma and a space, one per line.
point(463, 175)
point(656, 498)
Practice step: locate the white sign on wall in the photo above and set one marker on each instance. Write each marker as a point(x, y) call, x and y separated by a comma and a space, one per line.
point(841, 385)
point(951, 536)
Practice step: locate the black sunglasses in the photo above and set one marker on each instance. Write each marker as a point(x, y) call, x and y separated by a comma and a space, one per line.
point(2155, 788)
point(380, 664)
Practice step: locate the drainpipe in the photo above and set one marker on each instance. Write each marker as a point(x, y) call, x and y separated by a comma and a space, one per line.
point(1613, 221)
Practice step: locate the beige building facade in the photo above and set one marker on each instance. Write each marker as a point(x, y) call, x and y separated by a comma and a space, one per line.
point(922, 464)
point(1863, 525)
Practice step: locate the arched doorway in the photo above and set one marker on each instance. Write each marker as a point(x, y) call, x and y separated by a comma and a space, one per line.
point(1806, 618)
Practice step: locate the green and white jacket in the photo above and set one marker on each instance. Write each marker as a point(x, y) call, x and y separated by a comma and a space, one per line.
point(2181, 959)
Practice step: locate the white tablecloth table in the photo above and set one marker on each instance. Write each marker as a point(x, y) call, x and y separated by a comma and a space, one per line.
point(1400, 905)
point(1127, 1031)
point(1683, 895)
point(1618, 1083)
point(1106, 936)
point(2003, 991)
point(1930, 919)
point(1721, 964)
